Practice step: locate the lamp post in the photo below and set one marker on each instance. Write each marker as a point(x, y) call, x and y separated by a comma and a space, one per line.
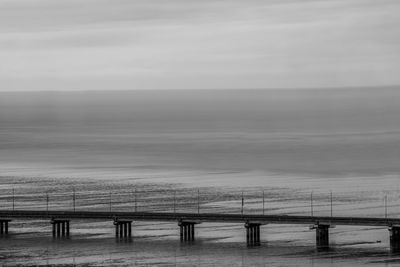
point(263, 202)
point(73, 198)
point(311, 204)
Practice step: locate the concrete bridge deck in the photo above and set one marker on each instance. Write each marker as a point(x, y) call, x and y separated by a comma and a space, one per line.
point(200, 217)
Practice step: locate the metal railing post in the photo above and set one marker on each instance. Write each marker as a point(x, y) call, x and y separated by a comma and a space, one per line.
point(263, 203)
point(242, 203)
point(110, 201)
point(47, 201)
point(331, 205)
point(174, 202)
point(13, 199)
point(311, 204)
point(198, 201)
point(385, 206)
point(73, 198)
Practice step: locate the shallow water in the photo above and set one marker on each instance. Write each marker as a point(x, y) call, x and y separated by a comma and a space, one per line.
point(206, 148)
point(217, 244)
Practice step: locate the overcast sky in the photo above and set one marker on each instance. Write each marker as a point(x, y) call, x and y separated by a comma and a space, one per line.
point(132, 44)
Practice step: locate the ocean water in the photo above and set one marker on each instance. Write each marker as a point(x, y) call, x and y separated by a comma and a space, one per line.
point(142, 147)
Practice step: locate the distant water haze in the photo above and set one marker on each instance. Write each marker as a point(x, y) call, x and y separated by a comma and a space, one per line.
point(318, 131)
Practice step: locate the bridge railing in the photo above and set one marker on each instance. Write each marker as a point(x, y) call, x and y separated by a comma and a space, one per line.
point(201, 200)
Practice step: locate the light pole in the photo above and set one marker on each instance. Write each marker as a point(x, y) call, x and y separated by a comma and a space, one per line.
point(13, 198)
point(110, 201)
point(73, 198)
point(331, 205)
point(263, 202)
point(311, 204)
point(174, 201)
point(242, 203)
point(135, 199)
point(385, 206)
point(198, 201)
point(47, 201)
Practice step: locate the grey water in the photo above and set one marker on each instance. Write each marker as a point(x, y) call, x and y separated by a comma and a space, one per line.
point(207, 145)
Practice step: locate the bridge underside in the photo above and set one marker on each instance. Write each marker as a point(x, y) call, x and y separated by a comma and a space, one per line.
point(187, 221)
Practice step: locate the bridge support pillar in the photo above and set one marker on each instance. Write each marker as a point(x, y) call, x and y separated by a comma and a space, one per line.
point(60, 227)
point(4, 226)
point(395, 238)
point(123, 228)
point(252, 234)
point(186, 231)
point(322, 235)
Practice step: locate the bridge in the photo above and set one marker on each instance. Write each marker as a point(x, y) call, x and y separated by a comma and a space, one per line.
point(60, 221)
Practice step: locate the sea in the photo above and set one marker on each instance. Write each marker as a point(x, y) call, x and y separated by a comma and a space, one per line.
point(201, 151)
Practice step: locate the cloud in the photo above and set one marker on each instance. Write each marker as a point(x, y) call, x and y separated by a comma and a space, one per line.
point(121, 44)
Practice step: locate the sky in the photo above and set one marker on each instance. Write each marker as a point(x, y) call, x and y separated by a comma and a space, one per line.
point(192, 44)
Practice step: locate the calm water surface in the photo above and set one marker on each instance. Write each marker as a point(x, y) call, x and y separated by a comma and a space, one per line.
point(144, 146)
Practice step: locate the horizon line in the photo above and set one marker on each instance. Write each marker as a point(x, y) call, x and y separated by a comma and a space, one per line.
point(392, 86)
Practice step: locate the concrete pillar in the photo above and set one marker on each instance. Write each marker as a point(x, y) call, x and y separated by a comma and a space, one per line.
point(185, 232)
point(322, 235)
point(67, 228)
point(192, 232)
point(63, 228)
point(252, 234)
point(54, 229)
point(4, 227)
point(395, 238)
point(255, 234)
point(258, 234)
point(121, 229)
point(126, 229)
point(58, 229)
point(247, 235)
